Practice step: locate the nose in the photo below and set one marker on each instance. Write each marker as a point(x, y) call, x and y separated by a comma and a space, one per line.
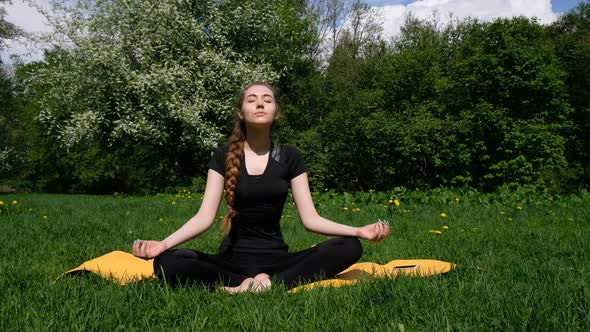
point(259, 103)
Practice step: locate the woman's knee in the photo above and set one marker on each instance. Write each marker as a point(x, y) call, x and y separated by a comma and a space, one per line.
point(353, 247)
point(348, 247)
point(168, 263)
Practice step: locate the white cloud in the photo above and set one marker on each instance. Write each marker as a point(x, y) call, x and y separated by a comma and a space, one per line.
point(31, 21)
point(486, 10)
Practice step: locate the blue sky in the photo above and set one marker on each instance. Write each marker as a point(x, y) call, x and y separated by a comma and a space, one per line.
point(558, 6)
point(561, 6)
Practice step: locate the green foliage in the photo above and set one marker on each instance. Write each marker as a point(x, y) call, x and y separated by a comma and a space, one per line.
point(138, 93)
point(571, 37)
point(472, 104)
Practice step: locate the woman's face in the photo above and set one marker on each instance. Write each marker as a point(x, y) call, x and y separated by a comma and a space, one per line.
point(259, 108)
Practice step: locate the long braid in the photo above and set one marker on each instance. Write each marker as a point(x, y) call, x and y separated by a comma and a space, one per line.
point(233, 159)
point(234, 155)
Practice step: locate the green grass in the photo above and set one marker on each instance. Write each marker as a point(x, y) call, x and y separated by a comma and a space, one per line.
point(528, 273)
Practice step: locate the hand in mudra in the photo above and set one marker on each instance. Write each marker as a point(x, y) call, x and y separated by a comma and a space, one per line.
point(147, 249)
point(375, 232)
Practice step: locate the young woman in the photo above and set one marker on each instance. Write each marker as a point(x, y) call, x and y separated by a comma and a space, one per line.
point(256, 175)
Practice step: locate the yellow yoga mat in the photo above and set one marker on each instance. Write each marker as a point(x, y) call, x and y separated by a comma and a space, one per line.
point(122, 268)
point(359, 271)
point(117, 266)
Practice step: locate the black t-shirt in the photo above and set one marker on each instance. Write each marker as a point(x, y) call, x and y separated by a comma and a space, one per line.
point(260, 200)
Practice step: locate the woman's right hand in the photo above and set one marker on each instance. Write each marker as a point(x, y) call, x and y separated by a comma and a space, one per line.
point(375, 232)
point(148, 249)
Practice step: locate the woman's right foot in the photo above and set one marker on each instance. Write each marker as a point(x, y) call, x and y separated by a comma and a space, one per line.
point(260, 283)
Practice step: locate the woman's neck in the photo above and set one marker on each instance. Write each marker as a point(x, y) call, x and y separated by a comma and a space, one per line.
point(258, 140)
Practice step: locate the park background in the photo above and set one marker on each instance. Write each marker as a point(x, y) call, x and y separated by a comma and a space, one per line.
point(470, 137)
point(132, 97)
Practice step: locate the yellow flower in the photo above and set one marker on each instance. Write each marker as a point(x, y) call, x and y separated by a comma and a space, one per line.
point(502, 212)
point(446, 227)
point(173, 202)
point(396, 202)
point(457, 199)
point(390, 201)
point(45, 217)
point(161, 219)
point(436, 232)
point(14, 202)
point(356, 210)
point(444, 215)
point(509, 219)
point(519, 207)
point(345, 208)
point(1, 202)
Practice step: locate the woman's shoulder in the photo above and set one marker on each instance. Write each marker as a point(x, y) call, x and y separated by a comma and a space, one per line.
point(289, 151)
point(289, 148)
point(221, 149)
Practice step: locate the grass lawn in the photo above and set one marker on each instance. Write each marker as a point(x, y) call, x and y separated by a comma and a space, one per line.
point(524, 264)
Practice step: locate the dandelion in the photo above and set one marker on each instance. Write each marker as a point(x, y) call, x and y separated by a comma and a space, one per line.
point(14, 202)
point(356, 210)
point(345, 208)
point(509, 219)
point(444, 215)
point(435, 232)
point(446, 227)
point(519, 207)
point(385, 207)
point(1, 202)
point(161, 219)
point(502, 212)
point(173, 202)
point(396, 202)
point(457, 199)
point(45, 216)
point(390, 201)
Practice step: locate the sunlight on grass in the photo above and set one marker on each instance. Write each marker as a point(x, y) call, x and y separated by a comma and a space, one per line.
point(522, 265)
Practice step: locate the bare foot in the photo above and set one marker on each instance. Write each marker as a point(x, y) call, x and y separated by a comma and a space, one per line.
point(263, 282)
point(260, 283)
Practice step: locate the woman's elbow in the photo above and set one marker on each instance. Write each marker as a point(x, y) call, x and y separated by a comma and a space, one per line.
point(205, 219)
point(309, 222)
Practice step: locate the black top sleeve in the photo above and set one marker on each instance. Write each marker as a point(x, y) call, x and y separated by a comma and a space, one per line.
point(295, 163)
point(217, 162)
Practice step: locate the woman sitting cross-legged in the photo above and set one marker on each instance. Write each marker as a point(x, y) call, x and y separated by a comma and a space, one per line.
point(256, 175)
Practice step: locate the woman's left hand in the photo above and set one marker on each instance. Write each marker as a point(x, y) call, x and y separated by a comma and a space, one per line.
point(374, 232)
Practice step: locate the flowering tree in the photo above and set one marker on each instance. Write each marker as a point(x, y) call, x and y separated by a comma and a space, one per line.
point(156, 72)
point(139, 92)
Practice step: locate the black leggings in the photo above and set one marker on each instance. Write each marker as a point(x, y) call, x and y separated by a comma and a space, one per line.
point(322, 261)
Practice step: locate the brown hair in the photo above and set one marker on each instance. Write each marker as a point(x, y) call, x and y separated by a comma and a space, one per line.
point(233, 157)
